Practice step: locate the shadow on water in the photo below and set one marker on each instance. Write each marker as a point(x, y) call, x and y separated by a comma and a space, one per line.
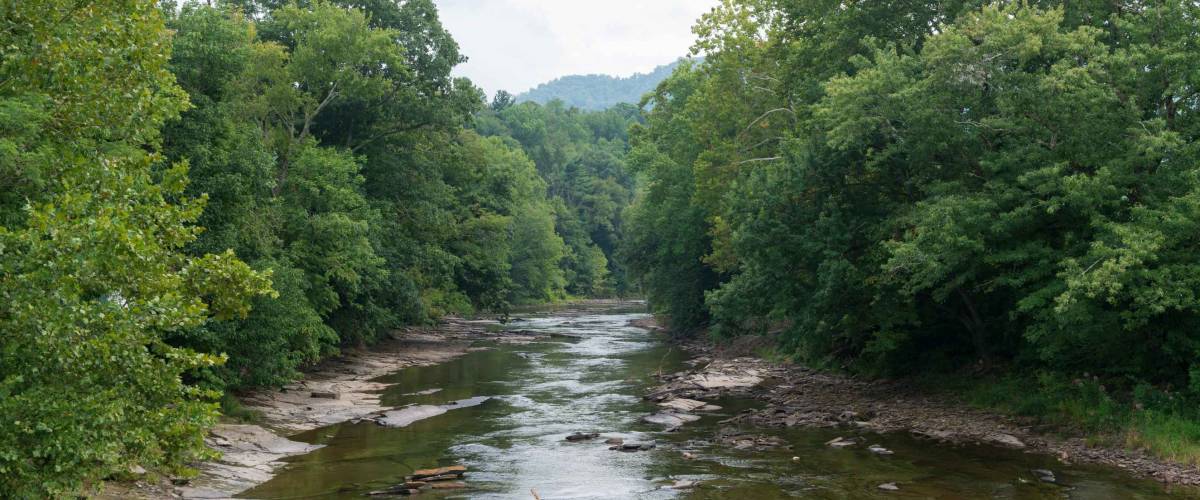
point(541, 392)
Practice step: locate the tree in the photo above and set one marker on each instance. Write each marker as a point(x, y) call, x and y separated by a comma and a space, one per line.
point(93, 272)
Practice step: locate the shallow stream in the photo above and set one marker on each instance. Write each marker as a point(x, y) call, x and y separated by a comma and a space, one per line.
point(592, 380)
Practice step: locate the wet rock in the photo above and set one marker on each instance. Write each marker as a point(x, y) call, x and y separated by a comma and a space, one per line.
point(688, 456)
point(430, 474)
point(449, 486)
point(683, 485)
point(614, 440)
point(404, 417)
point(879, 450)
point(889, 487)
point(398, 490)
point(1045, 476)
point(670, 419)
point(583, 436)
point(1003, 439)
point(635, 446)
point(325, 395)
point(840, 442)
point(682, 404)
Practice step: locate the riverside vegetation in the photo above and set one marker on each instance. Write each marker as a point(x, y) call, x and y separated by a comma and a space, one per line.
point(1000, 196)
point(201, 198)
point(197, 199)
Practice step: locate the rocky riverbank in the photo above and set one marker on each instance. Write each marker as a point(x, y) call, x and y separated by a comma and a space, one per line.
point(338, 390)
point(798, 396)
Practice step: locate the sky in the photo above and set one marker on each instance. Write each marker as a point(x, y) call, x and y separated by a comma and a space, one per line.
point(514, 45)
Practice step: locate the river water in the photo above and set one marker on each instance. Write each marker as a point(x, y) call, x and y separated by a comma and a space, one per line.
point(592, 380)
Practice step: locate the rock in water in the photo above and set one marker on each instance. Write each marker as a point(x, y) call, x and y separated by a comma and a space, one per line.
point(1045, 476)
point(682, 405)
point(840, 442)
point(683, 485)
point(614, 440)
point(583, 436)
point(635, 446)
point(430, 474)
point(449, 486)
point(879, 450)
point(889, 487)
point(670, 419)
point(406, 416)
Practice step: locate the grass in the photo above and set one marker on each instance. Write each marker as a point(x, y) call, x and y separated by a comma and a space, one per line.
point(1159, 423)
point(233, 409)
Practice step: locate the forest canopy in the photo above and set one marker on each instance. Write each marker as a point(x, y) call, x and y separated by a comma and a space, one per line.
point(207, 197)
point(900, 187)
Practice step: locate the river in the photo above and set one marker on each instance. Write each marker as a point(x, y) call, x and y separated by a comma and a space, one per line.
point(591, 378)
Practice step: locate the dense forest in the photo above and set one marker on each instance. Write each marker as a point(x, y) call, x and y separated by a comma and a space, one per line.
point(598, 92)
point(968, 187)
point(199, 198)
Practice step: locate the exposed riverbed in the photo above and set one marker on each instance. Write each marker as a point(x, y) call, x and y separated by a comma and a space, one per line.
point(505, 413)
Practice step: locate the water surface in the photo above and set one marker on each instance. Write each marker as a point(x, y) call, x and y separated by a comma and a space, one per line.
point(592, 381)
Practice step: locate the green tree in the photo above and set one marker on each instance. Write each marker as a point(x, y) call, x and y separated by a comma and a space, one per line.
point(93, 272)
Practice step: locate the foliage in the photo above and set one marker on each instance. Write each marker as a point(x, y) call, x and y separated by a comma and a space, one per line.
point(912, 187)
point(92, 269)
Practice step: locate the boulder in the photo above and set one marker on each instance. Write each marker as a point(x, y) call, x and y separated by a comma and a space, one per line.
point(1008, 440)
point(889, 487)
point(583, 436)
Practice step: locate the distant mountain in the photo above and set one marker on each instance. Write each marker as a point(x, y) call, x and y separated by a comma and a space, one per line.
point(598, 92)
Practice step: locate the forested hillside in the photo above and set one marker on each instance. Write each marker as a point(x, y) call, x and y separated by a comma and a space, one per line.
point(598, 92)
point(207, 197)
point(958, 187)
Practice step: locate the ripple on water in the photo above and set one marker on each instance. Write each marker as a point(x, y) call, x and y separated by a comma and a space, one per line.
point(593, 382)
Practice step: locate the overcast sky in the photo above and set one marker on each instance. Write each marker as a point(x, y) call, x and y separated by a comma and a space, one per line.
point(516, 44)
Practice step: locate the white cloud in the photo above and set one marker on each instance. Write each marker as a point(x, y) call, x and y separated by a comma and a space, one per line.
point(516, 44)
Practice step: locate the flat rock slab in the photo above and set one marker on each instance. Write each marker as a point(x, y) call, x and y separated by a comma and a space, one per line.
point(250, 455)
point(670, 419)
point(404, 417)
point(711, 381)
point(683, 405)
point(425, 474)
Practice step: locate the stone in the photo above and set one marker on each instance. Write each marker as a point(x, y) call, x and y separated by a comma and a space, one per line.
point(325, 395)
point(635, 446)
point(583, 436)
point(449, 486)
point(683, 485)
point(1045, 476)
point(670, 419)
point(688, 456)
point(1006, 440)
point(614, 440)
point(429, 474)
point(683, 405)
point(879, 450)
point(840, 442)
point(889, 487)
